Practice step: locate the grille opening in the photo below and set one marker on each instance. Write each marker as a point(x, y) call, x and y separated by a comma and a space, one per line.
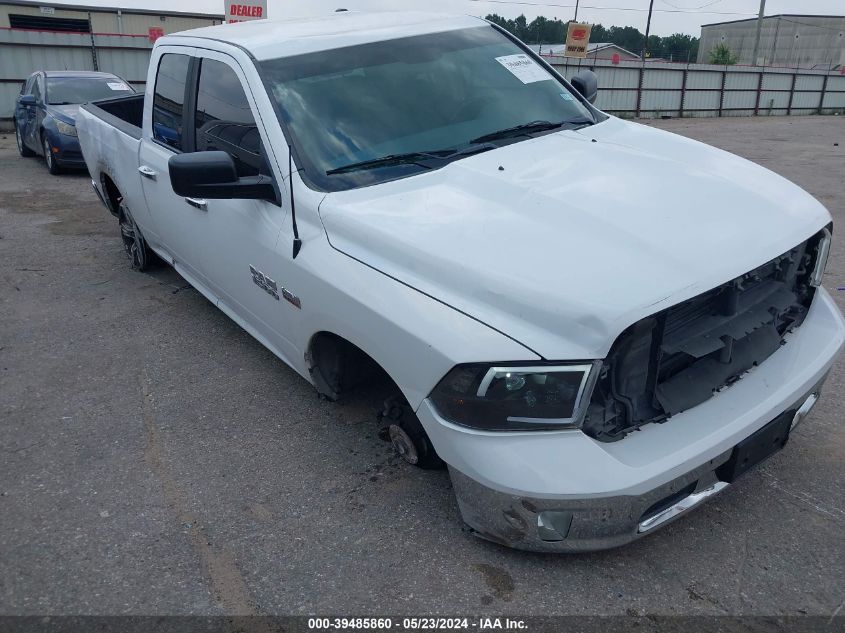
point(680, 357)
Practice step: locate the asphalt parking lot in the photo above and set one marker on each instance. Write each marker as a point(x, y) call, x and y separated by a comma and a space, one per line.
point(157, 460)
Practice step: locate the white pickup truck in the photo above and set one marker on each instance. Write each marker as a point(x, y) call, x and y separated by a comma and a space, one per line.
point(596, 325)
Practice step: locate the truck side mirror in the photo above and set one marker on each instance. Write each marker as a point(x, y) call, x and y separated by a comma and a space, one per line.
point(213, 175)
point(587, 83)
point(27, 100)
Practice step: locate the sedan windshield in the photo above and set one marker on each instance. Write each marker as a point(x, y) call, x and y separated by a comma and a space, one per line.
point(375, 112)
point(65, 90)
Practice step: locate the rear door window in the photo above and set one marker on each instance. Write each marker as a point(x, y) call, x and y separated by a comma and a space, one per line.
point(169, 100)
point(224, 119)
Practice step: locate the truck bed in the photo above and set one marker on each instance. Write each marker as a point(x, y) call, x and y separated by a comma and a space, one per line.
point(110, 137)
point(124, 113)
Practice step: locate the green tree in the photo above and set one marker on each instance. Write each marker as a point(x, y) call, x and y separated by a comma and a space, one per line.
point(655, 46)
point(722, 55)
point(680, 47)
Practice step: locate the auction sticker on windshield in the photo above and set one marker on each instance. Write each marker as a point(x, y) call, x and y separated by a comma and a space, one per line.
point(524, 68)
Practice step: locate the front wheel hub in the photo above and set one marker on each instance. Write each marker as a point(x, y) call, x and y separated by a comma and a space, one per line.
point(403, 444)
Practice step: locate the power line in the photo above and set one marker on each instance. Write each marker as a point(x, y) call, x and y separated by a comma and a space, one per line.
point(572, 6)
point(674, 6)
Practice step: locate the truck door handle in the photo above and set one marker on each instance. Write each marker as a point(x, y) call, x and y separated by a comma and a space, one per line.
point(202, 205)
point(147, 172)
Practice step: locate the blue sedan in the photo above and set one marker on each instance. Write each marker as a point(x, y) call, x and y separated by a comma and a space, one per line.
point(45, 113)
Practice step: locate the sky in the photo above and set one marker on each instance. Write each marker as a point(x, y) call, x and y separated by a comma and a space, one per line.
point(670, 16)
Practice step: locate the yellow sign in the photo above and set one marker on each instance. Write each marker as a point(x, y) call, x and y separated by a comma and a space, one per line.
point(577, 39)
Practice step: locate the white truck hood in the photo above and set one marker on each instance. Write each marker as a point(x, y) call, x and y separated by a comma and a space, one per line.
point(563, 241)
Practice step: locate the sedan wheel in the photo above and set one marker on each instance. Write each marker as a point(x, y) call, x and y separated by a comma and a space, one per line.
point(23, 150)
point(49, 159)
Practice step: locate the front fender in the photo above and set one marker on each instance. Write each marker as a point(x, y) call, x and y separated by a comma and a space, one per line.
point(414, 337)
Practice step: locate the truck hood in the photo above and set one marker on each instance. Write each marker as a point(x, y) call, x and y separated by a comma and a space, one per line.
point(563, 241)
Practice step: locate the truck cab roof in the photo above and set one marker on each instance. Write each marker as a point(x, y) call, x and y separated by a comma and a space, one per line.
point(73, 73)
point(271, 39)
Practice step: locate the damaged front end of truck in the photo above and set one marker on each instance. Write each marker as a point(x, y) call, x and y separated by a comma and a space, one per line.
point(678, 358)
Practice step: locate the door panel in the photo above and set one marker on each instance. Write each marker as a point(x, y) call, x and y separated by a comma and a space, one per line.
point(175, 227)
point(243, 257)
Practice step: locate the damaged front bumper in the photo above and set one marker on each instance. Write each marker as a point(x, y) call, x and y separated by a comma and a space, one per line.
point(573, 525)
point(582, 525)
point(565, 491)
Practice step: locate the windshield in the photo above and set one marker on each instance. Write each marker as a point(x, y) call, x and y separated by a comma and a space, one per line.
point(375, 112)
point(63, 90)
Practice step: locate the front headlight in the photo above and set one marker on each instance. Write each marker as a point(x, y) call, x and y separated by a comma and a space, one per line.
point(506, 397)
point(66, 128)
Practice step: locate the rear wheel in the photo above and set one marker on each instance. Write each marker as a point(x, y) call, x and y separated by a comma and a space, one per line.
point(49, 159)
point(141, 258)
point(23, 150)
point(408, 436)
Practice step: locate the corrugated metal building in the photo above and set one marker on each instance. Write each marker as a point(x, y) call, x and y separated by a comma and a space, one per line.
point(44, 36)
point(798, 41)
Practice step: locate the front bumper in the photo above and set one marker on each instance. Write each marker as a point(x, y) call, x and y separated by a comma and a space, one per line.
point(69, 152)
point(602, 492)
point(573, 525)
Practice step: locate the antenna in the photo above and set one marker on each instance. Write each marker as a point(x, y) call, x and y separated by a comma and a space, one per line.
point(297, 243)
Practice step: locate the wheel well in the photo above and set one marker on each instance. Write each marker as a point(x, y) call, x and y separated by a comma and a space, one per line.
point(111, 192)
point(338, 367)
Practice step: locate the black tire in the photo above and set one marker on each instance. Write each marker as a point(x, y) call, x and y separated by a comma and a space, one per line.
point(141, 257)
point(49, 159)
point(23, 150)
point(408, 435)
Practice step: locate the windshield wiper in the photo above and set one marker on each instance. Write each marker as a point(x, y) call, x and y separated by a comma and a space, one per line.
point(415, 158)
point(527, 129)
point(409, 158)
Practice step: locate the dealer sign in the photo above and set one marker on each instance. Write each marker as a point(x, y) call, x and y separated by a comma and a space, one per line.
point(243, 10)
point(577, 39)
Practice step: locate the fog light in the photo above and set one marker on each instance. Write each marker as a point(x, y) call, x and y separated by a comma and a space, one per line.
point(553, 525)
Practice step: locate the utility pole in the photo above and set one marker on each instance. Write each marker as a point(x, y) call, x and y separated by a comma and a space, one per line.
point(647, 29)
point(759, 31)
point(577, 2)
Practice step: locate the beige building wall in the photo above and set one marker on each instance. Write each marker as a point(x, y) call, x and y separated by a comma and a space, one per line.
point(787, 40)
point(111, 21)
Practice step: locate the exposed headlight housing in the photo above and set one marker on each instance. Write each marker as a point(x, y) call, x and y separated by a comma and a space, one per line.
point(66, 128)
point(514, 397)
point(822, 254)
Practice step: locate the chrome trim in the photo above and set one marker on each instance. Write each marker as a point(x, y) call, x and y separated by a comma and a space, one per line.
point(147, 172)
point(200, 204)
point(687, 503)
point(804, 409)
point(821, 260)
point(99, 195)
